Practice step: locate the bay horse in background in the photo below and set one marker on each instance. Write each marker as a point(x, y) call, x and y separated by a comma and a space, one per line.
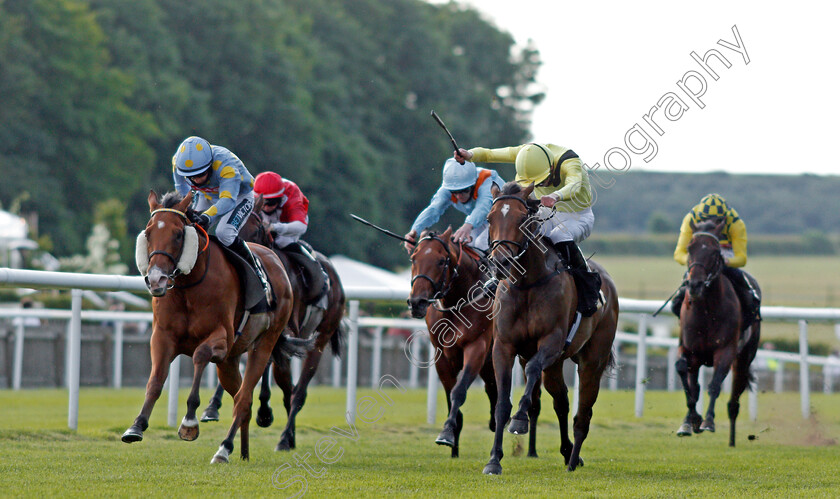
point(197, 304)
point(325, 327)
point(711, 333)
point(536, 319)
point(448, 277)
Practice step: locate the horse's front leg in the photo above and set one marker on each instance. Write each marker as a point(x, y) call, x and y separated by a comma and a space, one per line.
point(723, 362)
point(474, 355)
point(691, 423)
point(213, 349)
point(162, 350)
point(547, 353)
point(504, 356)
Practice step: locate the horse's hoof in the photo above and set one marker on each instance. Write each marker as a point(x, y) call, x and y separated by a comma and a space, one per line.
point(685, 430)
point(446, 437)
point(188, 433)
point(222, 456)
point(265, 417)
point(210, 414)
point(533, 454)
point(282, 447)
point(708, 426)
point(574, 467)
point(518, 426)
point(493, 469)
point(132, 435)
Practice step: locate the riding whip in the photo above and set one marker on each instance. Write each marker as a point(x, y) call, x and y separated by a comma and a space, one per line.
point(380, 229)
point(440, 122)
point(666, 301)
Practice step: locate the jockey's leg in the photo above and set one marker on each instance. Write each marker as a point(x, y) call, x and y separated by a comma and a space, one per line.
point(747, 295)
point(679, 297)
point(227, 231)
point(569, 229)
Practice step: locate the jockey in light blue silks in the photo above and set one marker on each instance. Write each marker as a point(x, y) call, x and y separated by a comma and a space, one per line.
point(224, 192)
point(469, 189)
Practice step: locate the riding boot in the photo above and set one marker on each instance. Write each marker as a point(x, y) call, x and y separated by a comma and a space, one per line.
point(313, 271)
point(677, 300)
point(240, 248)
point(588, 283)
point(747, 295)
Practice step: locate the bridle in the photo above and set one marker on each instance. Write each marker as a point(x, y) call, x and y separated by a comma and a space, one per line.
point(713, 268)
point(521, 247)
point(441, 287)
point(262, 234)
point(170, 277)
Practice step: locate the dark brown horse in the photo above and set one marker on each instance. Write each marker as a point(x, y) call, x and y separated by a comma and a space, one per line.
point(324, 326)
point(536, 305)
point(198, 304)
point(711, 332)
point(448, 277)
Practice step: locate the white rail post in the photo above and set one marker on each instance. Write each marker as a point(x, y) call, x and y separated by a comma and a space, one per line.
point(517, 375)
point(336, 371)
point(576, 393)
point(641, 365)
point(74, 356)
point(413, 373)
point(701, 382)
point(352, 358)
point(174, 384)
point(613, 380)
point(376, 365)
point(296, 367)
point(210, 376)
point(672, 369)
point(118, 353)
point(804, 379)
point(432, 386)
point(753, 399)
point(779, 377)
point(17, 372)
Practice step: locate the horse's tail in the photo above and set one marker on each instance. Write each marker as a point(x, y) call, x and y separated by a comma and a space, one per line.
point(612, 364)
point(295, 347)
point(339, 338)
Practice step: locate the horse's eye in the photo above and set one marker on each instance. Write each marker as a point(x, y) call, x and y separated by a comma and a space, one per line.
point(179, 235)
point(441, 262)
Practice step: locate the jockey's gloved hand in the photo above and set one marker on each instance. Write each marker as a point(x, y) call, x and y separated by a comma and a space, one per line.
point(203, 220)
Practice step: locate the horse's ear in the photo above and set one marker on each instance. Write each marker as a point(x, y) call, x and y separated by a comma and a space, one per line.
point(258, 205)
point(719, 225)
point(447, 234)
point(185, 203)
point(528, 190)
point(153, 200)
point(494, 191)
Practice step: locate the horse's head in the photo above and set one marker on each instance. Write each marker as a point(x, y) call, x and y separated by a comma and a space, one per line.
point(254, 230)
point(432, 270)
point(705, 261)
point(169, 245)
point(511, 213)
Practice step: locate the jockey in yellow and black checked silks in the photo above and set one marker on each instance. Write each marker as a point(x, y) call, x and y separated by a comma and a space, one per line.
point(733, 237)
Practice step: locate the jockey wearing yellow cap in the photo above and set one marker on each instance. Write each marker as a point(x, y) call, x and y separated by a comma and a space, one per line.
point(562, 186)
point(733, 247)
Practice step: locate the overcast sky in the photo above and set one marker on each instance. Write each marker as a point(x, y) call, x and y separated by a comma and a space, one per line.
point(606, 64)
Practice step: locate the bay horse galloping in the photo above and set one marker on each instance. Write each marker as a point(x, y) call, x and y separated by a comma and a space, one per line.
point(325, 326)
point(198, 304)
point(448, 277)
point(536, 320)
point(711, 332)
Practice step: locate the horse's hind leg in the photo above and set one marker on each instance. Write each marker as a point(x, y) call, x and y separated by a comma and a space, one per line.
point(310, 365)
point(590, 371)
point(489, 376)
point(265, 416)
point(723, 361)
point(211, 413)
point(207, 351)
point(533, 415)
point(741, 378)
point(691, 423)
point(231, 380)
point(162, 355)
point(556, 386)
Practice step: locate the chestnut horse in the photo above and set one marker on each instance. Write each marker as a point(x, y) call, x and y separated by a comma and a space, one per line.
point(535, 319)
point(448, 276)
point(711, 331)
point(326, 327)
point(198, 304)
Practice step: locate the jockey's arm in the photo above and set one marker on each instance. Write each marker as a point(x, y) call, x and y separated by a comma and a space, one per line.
point(431, 214)
point(738, 239)
point(483, 203)
point(228, 192)
point(681, 253)
point(501, 155)
point(572, 173)
point(181, 184)
point(295, 228)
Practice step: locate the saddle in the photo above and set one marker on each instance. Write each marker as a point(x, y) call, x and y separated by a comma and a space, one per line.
point(255, 300)
point(316, 284)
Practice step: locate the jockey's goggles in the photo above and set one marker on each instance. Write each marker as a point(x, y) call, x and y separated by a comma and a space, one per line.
point(272, 202)
point(462, 191)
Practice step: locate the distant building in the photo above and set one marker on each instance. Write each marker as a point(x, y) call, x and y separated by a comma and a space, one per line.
point(13, 238)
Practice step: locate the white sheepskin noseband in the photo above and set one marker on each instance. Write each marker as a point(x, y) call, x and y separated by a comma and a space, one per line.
point(188, 255)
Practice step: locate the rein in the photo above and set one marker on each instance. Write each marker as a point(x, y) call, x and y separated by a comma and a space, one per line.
point(176, 272)
point(440, 288)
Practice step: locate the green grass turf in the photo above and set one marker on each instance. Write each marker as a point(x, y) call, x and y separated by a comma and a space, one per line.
point(396, 456)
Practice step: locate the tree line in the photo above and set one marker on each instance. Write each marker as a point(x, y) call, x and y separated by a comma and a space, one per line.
point(333, 95)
